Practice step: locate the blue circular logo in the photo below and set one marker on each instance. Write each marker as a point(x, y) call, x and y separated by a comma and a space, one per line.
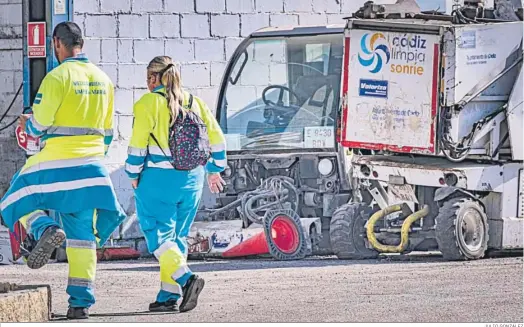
point(374, 54)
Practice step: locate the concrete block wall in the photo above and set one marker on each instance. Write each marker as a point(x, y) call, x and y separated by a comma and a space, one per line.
point(11, 158)
point(201, 35)
point(123, 35)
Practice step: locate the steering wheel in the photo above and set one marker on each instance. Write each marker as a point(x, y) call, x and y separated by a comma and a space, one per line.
point(280, 102)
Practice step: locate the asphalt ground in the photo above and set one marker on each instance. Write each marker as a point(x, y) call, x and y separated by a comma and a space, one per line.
point(321, 289)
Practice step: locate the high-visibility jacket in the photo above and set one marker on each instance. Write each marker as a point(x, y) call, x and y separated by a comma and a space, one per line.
point(152, 116)
point(73, 116)
point(75, 99)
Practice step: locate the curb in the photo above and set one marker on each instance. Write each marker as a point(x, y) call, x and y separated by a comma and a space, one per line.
point(26, 304)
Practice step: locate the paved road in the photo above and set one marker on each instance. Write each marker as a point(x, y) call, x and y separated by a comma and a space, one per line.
point(396, 289)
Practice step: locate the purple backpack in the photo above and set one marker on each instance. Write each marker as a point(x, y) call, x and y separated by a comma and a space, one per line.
point(188, 140)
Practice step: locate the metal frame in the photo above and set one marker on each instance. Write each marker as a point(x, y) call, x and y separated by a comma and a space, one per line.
point(275, 32)
point(266, 33)
point(32, 11)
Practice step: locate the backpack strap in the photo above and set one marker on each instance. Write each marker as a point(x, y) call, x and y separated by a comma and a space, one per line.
point(190, 102)
point(156, 141)
point(153, 136)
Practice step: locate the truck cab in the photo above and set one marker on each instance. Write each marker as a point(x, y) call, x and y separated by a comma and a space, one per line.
point(279, 109)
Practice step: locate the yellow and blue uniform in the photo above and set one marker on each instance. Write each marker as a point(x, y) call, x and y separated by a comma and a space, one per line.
point(73, 116)
point(167, 199)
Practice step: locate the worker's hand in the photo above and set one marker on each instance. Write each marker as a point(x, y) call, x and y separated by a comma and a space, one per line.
point(215, 182)
point(134, 183)
point(22, 121)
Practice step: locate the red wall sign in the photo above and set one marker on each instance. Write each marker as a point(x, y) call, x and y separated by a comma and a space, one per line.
point(36, 40)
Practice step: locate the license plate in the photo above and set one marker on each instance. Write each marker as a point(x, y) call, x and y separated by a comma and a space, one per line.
point(401, 193)
point(319, 137)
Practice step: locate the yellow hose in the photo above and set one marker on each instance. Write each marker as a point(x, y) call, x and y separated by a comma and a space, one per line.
point(404, 233)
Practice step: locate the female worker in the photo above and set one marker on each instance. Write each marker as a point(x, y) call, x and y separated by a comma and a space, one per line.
point(167, 199)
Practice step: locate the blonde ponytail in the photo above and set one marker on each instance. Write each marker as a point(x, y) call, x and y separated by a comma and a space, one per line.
point(170, 79)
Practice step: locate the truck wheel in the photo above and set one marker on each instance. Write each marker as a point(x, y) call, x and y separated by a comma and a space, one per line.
point(347, 233)
point(461, 229)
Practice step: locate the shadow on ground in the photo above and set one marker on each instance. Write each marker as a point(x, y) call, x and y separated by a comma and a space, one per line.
point(214, 265)
point(58, 317)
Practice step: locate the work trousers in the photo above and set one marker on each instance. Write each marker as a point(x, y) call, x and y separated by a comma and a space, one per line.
point(167, 202)
point(80, 248)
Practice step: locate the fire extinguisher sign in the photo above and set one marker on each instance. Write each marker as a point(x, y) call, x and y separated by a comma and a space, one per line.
point(36, 40)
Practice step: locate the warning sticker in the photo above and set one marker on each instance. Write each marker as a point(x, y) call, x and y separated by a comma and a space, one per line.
point(36, 42)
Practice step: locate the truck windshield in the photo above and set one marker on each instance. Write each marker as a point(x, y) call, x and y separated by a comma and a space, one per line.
point(283, 93)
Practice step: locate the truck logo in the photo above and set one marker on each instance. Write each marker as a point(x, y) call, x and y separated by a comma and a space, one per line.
point(373, 88)
point(374, 52)
point(409, 55)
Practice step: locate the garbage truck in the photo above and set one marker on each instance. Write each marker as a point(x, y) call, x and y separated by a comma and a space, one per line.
point(398, 131)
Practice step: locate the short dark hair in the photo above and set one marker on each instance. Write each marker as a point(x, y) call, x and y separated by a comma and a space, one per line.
point(69, 34)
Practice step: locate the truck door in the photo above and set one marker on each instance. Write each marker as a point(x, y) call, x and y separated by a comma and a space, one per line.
point(390, 86)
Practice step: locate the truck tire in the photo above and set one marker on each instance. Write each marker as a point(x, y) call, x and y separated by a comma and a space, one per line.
point(347, 233)
point(461, 229)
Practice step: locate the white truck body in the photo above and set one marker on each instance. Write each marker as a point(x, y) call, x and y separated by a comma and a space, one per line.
point(400, 78)
point(398, 75)
point(391, 85)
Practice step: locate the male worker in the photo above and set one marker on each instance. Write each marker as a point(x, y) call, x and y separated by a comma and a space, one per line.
point(73, 116)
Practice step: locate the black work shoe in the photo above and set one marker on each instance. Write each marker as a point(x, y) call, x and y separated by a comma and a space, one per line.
point(167, 306)
point(77, 313)
point(191, 291)
point(52, 239)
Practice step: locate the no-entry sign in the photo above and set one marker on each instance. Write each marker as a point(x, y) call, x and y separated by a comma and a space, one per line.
point(36, 40)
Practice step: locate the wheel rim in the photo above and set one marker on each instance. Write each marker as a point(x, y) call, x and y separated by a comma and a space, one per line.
point(471, 230)
point(285, 235)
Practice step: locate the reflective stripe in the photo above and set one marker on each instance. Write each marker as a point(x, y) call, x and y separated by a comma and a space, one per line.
point(80, 282)
point(163, 248)
point(80, 244)
point(220, 163)
point(33, 217)
point(54, 187)
point(218, 147)
point(36, 125)
point(137, 152)
point(77, 131)
point(66, 163)
point(180, 272)
point(134, 169)
point(162, 165)
point(157, 151)
point(175, 289)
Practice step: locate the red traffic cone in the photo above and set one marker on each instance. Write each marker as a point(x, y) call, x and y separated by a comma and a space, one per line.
point(255, 245)
point(284, 234)
point(281, 231)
